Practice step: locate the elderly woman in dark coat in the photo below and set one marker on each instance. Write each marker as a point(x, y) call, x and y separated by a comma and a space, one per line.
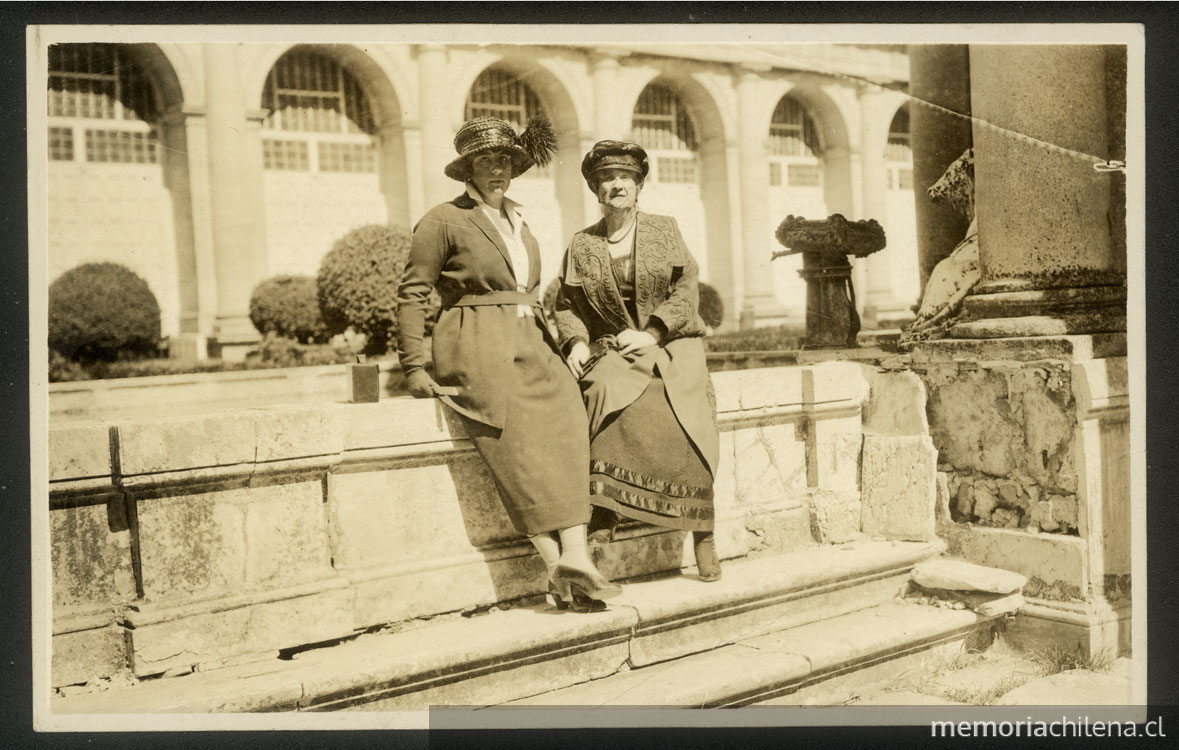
point(627, 318)
point(495, 363)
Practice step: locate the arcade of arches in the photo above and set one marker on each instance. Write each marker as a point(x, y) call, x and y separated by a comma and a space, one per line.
point(207, 168)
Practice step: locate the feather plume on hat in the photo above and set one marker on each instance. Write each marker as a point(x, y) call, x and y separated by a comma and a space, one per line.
point(539, 141)
point(535, 145)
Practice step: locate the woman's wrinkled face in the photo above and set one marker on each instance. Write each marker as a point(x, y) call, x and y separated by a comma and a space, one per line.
point(618, 188)
point(491, 171)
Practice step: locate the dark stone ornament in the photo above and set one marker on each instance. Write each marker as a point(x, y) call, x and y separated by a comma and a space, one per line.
point(831, 318)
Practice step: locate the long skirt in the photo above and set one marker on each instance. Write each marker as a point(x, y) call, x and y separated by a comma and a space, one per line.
point(643, 466)
point(540, 457)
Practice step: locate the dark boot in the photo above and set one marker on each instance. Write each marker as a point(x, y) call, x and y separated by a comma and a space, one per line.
point(707, 564)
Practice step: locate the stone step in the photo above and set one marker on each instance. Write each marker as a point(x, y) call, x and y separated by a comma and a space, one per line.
point(824, 662)
point(531, 650)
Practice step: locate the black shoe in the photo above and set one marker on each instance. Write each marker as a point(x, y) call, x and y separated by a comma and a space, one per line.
point(592, 585)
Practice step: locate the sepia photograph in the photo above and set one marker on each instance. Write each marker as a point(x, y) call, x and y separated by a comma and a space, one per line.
point(467, 376)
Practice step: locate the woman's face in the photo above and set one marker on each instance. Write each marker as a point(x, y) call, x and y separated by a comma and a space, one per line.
point(617, 188)
point(491, 171)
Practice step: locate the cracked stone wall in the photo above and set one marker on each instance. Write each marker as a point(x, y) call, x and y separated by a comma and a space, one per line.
point(1005, 434)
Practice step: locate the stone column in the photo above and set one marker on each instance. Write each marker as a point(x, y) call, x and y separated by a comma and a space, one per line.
point(1048, 262)
point(875, 117)
point(438, 129)
point(235, 199)
point(940, 74)
point(186, 160)
point(608, 121)
point(411, 143)
point(756, 232)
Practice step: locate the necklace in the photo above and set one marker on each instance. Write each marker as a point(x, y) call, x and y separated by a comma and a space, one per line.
point(622, 237)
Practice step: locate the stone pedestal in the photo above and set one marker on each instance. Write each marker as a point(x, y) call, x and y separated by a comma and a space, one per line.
point(1023, 422)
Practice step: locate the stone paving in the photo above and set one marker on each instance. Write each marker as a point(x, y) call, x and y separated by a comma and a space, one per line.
point(1004, 676)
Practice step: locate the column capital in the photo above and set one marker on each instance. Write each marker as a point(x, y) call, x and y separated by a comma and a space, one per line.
point(257, 116)
point(178, 113)
point(421, 49)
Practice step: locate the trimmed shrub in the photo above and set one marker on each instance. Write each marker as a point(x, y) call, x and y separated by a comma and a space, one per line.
point(282, 351)
point(288, 306)
point(712, 308)
point(357, 283)
point(777, 338)
point(62, 370)
point(103, 312)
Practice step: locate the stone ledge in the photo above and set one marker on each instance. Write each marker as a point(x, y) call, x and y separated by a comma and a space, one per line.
point(237, 444)
point(1023, 348)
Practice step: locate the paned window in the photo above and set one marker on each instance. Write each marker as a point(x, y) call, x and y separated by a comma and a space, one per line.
point(61, 144)
point(100, 82)
point(284, 154)
point(121, 146)
point(804, 175)
point(500, 93)
point(661, 123)
point(322, 110)
point(775, 174)
point(898, 148)
point(792, 132)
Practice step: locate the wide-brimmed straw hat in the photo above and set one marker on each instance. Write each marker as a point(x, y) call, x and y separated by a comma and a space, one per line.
point(614, 155)
point(535, 145)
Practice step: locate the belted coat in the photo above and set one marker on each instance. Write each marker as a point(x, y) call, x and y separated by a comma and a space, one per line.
point(457, 250)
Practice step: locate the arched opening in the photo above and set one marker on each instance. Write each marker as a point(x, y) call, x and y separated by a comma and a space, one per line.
point(322, 155)
point(797, 179)
point(664, 126)
point(109, 199)
point(901, 212)
point(500, 91)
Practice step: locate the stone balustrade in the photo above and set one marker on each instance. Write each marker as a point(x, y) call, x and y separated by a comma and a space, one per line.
point(208, 539)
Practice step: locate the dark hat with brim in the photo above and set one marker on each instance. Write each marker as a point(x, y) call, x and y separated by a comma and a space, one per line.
point(533, 146)
point(614, 155)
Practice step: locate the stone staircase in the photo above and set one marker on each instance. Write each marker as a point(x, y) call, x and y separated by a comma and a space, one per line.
point(782, 627)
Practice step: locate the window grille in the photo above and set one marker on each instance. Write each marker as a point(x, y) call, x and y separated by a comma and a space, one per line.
point(285, 154)
point(660, 122)
point(898, 148)
point(98, 82)
point(500, 93)
point(792, 132)
point(61, 144)
point(310, 92)
point(322, 111)
point(102, 101)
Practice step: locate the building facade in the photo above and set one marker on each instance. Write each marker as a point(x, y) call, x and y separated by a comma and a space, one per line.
point(208, 167)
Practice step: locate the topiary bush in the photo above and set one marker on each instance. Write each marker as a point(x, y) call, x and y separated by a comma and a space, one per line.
point(288, 306)
point(712, 308)
point(103, 312)
point(357, 283)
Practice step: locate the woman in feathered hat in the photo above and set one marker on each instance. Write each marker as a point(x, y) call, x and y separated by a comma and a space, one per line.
point(627, 316)
point(495, 363)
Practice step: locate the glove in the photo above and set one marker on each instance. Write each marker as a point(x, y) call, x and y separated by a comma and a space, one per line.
point(421, 385)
